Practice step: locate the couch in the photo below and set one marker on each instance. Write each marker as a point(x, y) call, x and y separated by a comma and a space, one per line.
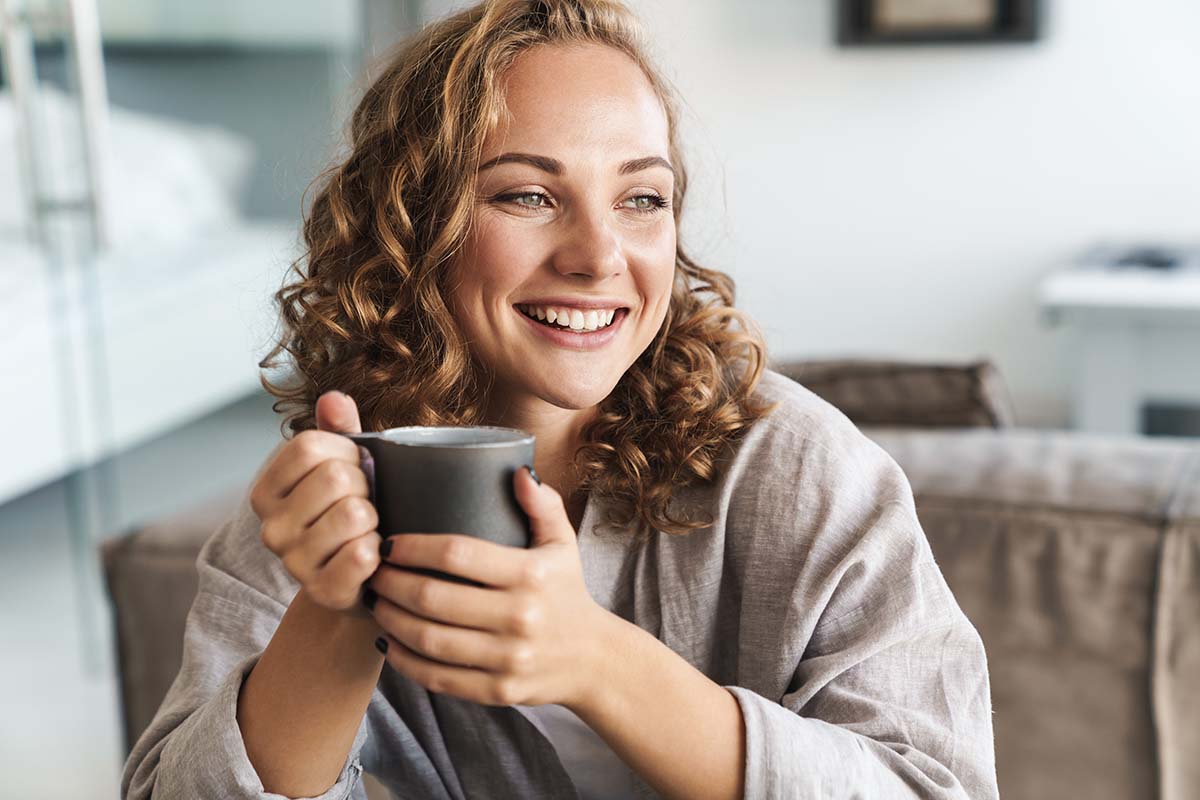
point(1076, 556)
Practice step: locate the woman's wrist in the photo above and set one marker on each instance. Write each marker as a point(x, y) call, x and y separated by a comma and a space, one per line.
point(301, 704)
point(354, 622)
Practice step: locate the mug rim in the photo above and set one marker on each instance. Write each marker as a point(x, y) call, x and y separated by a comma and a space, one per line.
point(513, 436)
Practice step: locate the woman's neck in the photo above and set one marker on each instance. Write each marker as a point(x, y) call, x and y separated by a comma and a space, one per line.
point(558, 435)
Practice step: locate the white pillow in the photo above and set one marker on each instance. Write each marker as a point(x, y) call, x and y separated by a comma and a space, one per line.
point(167, 179)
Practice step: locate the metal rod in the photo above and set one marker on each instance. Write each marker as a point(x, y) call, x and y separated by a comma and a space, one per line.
point(21, 71)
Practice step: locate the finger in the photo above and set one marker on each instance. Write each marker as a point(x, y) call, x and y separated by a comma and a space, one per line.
point(339, 583)
point(347, 519)
point(548, 521)
point(337, 412)
point(327, 485)
point(449, 644)
point(470, 684)
point(294, 461)
point(451, 603)
point(467, 557)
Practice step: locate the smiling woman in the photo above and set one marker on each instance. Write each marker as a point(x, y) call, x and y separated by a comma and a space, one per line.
point(546, 173)
point(763, 619)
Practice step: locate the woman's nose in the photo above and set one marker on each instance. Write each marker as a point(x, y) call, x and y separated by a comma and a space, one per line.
point(590, 247)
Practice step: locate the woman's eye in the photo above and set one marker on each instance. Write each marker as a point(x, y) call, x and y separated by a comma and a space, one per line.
point(648, 203)
point(645, 203)
point(520, 197)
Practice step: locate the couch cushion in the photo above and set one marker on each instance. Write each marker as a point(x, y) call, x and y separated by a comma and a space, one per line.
point(877, 392)
point(152, 580)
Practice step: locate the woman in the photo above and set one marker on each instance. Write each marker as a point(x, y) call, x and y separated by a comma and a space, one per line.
point(762, 616)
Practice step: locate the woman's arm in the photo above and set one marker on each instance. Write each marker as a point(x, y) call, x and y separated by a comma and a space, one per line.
point(302, 704)
point(194, 746)
point(889, 697)
point(893, 704)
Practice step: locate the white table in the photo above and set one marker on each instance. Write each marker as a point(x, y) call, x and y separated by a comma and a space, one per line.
point(1137, 340)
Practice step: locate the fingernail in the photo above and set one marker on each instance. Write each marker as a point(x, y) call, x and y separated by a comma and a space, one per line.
point(533, 474)
point(381, 645)
point(385, 548)
point(369, 597)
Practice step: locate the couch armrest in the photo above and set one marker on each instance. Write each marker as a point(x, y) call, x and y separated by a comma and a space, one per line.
point(1077, 558)
point(152, 580)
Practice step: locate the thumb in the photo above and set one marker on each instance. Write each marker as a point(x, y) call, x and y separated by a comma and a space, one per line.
point(337, 412)
point(548, 522)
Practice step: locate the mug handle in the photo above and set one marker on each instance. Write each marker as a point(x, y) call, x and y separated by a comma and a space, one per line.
point(366, 462)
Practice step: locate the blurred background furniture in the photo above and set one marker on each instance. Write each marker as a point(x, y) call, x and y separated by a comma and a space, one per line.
point(1134, 317)
point(153, 159)
point(152, 212)
point(1076, 556)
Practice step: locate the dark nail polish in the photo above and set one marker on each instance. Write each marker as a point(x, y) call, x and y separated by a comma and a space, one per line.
point(534, 475)
point(381, 645)
point(385, 548)
point(369, 598)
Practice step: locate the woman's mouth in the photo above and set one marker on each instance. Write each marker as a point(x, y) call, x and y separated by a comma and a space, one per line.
point(575, 319)
point(576, 329)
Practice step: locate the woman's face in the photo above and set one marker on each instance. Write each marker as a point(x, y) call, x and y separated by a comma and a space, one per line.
point(569, 225)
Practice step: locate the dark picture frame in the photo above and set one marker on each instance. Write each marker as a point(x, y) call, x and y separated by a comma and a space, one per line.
point(865, 23)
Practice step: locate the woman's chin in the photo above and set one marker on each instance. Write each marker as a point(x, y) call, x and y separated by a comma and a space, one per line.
point(578, 395)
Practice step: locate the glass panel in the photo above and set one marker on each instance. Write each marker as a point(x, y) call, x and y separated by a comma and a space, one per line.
point(160, 151)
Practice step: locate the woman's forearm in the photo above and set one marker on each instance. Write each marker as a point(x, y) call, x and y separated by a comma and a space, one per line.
point(300, 707)
point(680, 731)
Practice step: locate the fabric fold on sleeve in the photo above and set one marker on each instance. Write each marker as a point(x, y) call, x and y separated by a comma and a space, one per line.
point(886, 692)
point(790, 756)
point(207, 753)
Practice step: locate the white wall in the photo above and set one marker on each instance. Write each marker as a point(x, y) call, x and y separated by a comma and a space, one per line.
point(905, 202)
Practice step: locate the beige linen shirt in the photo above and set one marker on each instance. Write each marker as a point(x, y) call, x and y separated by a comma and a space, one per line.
point(813, 597)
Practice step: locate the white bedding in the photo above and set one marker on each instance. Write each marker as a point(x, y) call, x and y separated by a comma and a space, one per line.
point(167, 179)
point(184, 291)
point(184, 326)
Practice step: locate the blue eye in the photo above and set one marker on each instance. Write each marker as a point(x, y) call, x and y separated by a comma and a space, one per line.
point(644, 203)
point(523, 195)
point(653, 204)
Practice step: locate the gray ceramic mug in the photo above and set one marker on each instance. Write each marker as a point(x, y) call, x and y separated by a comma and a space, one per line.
point(448, 480)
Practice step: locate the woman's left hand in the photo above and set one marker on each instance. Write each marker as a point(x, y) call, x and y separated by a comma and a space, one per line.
point(528, 637)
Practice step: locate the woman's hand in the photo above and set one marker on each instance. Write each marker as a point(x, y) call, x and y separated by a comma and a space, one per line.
point(312, 500)
point(527, 637)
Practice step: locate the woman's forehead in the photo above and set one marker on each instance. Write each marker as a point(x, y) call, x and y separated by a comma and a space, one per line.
point(554, 91)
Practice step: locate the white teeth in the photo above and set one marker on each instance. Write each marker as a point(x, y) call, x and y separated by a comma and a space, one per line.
point(573, 318)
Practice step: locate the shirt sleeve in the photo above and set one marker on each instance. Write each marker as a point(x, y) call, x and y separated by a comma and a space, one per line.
point(888, 693)
point(193, 747)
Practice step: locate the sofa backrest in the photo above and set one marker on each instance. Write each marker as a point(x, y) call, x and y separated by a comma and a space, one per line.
point(1077, 558)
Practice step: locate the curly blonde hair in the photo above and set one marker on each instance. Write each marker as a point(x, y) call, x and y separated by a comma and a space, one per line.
point(371, 317)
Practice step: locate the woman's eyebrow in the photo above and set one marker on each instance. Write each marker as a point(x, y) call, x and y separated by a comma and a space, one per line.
point(555, 167)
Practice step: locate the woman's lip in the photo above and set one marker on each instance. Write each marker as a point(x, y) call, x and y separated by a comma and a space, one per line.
point(578, 340)
point(581, 303)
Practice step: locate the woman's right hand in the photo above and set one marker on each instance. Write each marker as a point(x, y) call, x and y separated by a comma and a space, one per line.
point(312, 499)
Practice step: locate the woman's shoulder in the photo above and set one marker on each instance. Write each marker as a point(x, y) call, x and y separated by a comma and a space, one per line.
point(797, 408)
point(801, 415)
point(805, 447)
